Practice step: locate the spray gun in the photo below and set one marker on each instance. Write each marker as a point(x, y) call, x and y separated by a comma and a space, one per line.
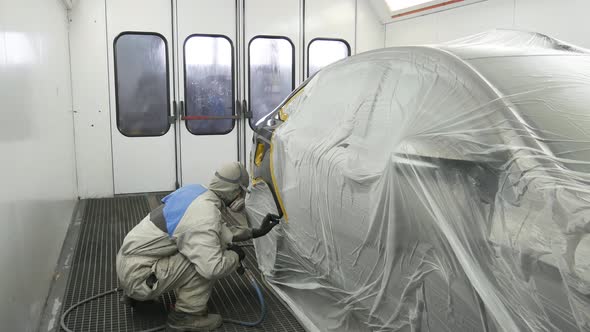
point(241, 270)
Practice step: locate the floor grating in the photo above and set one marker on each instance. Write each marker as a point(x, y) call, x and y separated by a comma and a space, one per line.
point(104, 225)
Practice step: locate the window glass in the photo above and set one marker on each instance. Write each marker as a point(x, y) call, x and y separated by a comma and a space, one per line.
point(323, 52)
point(208, 83)
point(141, 84)
point(271, 74)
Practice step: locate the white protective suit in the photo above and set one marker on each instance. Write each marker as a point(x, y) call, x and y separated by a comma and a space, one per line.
point(194, 256)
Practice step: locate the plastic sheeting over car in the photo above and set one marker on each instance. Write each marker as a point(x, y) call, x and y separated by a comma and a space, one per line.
point(435, 188)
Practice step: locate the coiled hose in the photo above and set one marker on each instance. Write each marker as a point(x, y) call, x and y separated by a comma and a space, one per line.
point(248, 274)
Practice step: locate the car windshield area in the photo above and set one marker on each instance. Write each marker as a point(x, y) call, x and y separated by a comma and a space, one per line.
point(551, 96)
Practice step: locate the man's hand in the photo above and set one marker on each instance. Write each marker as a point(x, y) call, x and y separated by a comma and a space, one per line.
point(268, 223)
point(238, 250)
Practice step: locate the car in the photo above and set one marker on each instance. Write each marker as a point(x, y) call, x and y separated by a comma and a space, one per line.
point(432, 188)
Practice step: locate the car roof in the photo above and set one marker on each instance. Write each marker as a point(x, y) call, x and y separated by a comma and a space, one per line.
point(523, 73)
point(505, 42)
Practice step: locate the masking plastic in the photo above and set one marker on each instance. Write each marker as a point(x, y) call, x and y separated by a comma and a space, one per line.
point(435, 188)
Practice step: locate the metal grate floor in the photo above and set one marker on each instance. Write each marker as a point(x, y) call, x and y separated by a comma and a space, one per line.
point(105, 223)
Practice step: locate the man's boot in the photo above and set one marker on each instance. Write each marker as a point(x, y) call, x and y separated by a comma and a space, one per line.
point(181, 321)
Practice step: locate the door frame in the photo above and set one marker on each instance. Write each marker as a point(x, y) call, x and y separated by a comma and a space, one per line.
point(134, 168)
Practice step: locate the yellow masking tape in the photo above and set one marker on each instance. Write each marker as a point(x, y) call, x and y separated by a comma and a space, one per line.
point(274, 180)
point(284, 116)
point(257, 181)
point(259, 154)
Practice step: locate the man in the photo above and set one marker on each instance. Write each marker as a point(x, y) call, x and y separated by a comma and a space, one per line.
point(183, 245)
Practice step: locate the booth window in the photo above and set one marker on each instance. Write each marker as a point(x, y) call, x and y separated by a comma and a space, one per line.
point(142, 84)
point(209, 84)
point(322, 52)
point(271, 74)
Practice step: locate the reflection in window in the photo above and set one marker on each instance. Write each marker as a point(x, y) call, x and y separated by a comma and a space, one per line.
point(208, 83)
point(271, 74)
point(323, 52)
point(141, 83)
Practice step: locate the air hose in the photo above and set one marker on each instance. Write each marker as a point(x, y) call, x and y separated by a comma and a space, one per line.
point(248, 274)
point(260, 301)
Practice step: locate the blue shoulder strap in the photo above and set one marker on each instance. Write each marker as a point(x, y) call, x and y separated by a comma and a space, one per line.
point(177, 202)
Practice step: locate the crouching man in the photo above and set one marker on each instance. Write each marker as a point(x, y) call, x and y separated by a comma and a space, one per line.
point(183, 245)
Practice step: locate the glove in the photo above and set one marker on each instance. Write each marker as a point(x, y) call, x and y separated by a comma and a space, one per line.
point(238, 250)
point(268, 223)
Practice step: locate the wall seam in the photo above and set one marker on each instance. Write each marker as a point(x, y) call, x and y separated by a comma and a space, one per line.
point(77, 178)
point(238, 80)
point(106, 26)
point(385, 35)
point(356, 11)
point(245, 80)
point(514, 13)
point(176, 92)
point(302, 42)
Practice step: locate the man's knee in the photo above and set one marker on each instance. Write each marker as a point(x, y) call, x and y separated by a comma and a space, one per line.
point(132, 273)
point(173, 270)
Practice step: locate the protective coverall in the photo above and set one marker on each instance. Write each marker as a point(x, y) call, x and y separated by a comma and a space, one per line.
point(183, 246)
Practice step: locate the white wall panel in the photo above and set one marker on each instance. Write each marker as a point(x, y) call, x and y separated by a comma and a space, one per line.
point(419, 30)
point(330, 19)
point(563, 19)
point(464, 21)
point(560, 19)
point(37, 172)
point(88, 46)
point(370, 33)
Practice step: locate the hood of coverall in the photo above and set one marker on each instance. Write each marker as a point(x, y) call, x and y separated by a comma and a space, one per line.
point(228, 182)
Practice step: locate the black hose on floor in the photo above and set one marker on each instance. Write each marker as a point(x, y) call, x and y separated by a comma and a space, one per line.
point(162, 327)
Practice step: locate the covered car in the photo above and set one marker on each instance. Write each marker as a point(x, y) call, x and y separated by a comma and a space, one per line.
point(432, 188)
